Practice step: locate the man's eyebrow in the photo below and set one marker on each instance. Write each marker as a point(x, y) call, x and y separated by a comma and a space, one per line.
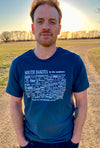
point(53, 19)
point(39, 18)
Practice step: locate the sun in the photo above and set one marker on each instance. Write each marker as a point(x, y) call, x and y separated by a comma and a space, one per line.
point(72, 18)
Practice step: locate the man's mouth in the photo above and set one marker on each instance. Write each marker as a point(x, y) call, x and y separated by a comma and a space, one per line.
point(46, 34)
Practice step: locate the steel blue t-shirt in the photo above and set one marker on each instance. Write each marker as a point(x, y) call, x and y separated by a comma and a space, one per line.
point(47, 86)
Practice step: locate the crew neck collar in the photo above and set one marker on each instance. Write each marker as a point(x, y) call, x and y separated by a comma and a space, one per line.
point(48, 59)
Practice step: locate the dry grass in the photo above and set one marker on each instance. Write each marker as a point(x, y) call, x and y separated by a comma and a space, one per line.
point(91, 134)
point(8, 51)
point(94, 56)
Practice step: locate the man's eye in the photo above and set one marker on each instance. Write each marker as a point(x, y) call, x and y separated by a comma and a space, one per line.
point(39, 22)
point(52, 22)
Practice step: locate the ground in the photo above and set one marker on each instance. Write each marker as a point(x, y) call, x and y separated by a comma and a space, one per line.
point(91, 131)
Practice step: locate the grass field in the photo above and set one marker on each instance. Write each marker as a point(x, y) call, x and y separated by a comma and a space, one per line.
point(8, 51)
point(94, 56)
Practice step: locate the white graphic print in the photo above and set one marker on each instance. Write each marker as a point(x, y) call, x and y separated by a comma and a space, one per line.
point(44, 85)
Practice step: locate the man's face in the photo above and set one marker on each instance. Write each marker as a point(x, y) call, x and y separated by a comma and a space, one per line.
point(46, 25)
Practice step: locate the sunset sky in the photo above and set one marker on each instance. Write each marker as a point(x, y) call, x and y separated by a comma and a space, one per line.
point(77, 15)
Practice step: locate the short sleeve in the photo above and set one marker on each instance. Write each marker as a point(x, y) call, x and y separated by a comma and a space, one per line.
point(13, 86)
point(80, 77)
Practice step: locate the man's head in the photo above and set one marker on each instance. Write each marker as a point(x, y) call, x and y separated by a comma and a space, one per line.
point(46, 22)
point(37, 3)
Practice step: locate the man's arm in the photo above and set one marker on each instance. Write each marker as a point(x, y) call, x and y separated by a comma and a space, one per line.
point(80, 115)
point(18, 119)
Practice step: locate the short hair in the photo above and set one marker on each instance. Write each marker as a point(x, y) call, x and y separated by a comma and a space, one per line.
point(37, 3)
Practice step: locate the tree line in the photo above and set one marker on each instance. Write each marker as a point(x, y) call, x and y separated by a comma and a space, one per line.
point(15, 36)
point(94, 34)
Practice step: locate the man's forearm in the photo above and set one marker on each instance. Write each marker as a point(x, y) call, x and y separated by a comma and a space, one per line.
point(18, 121)
point(80, 117)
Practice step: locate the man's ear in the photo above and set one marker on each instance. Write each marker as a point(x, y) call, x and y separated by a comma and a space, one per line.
point(59, 29)
point(32, 27)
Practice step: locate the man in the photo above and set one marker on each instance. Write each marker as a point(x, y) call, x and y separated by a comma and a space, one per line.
point(48, 76)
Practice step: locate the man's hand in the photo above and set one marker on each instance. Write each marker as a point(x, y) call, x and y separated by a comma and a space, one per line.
point(22, 141)
point(76, 140)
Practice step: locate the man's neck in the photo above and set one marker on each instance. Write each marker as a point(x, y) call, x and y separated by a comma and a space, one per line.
point(44, 52)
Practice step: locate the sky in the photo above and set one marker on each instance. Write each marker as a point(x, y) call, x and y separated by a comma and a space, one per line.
point(77, 15)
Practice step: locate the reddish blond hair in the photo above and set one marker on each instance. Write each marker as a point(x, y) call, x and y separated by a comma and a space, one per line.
point(37, 3)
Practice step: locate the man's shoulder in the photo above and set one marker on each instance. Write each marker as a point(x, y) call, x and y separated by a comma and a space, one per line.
point(63, 50)
point(68, 53)
point(23, 57)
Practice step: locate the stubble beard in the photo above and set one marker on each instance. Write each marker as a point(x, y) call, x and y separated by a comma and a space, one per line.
point(46, 42)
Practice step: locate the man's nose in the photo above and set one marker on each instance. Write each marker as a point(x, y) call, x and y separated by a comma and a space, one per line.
point(46, 25)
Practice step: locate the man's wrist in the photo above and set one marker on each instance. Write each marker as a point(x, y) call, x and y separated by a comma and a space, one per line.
point(75, 140)
point(22, 141)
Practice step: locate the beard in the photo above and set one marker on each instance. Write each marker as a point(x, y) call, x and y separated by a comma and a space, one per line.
point(46, 41)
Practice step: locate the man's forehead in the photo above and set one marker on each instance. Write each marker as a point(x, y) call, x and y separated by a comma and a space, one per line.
point(46, 11)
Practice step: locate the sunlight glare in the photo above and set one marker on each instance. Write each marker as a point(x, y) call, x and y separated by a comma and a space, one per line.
point(73, 19)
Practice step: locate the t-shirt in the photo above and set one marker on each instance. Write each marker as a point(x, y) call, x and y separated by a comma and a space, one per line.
point(47, 86)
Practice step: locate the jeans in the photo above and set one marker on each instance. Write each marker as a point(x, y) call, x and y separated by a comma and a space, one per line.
point(68, 144)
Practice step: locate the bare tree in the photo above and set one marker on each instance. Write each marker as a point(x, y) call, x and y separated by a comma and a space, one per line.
point(65, 35)
point(5, 36)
